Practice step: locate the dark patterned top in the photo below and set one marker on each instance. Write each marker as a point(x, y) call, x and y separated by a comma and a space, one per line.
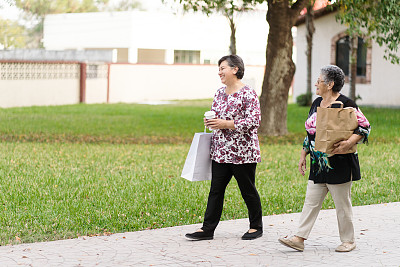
point(340, 168)
point(239, 145)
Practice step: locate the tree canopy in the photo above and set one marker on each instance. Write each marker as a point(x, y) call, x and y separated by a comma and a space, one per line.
point(40, 8)
point(124, 5)
point(379, 20)
point(225, 6)
point(12, 34)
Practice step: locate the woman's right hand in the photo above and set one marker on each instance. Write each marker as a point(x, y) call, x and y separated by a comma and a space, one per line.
point(303, 163)
point(302, 166)
point(219, 124)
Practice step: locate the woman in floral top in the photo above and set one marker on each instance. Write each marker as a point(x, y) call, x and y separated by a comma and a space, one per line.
point(333, 173)
point(235, 150)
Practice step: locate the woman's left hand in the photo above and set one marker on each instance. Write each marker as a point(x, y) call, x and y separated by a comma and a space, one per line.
point(342, 147)
point(220, 124)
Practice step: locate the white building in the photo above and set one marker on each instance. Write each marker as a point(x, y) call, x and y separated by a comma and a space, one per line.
point(157, 56)
point(158, 37)
point(377, 82)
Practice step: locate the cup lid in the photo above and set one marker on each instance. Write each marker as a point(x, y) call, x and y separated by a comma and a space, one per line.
point(209, 113)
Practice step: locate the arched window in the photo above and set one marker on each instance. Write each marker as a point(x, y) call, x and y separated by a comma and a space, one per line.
point(341, 57)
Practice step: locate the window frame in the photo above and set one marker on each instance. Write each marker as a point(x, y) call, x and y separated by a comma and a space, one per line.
point(192, 57)
point(359, 79)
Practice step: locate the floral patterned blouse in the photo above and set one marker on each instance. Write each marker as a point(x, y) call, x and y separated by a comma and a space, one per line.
point(340, 168)
point(239, 145)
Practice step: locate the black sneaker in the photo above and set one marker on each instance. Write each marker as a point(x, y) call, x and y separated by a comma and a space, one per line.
point(251, 236)
point(200, 236)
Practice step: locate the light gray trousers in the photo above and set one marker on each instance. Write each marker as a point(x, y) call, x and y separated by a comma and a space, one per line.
point(316, 193)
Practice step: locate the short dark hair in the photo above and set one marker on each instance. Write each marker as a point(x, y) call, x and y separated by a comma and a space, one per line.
point(234, 61)
point(333, 73)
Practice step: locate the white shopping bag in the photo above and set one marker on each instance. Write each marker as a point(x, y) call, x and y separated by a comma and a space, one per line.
point(198, 162)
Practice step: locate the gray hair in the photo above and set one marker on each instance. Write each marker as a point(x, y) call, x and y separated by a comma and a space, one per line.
point(332, 73)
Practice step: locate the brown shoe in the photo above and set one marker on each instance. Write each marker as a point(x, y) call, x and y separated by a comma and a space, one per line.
point(346, 247)
point(299, 246)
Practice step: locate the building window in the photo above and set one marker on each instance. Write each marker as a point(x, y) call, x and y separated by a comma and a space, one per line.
point(361, 57)
point(343, 55)
point(340, 56)
point(186, 57)
point(151, 56)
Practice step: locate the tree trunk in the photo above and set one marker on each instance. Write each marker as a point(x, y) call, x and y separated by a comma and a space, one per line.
point(38, 34)
point(310, 32)
point(5, 42)
point(232, 46)
point(353, 67)
point(279, 69)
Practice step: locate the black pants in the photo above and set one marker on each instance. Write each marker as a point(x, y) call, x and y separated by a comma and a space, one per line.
point(245, 177)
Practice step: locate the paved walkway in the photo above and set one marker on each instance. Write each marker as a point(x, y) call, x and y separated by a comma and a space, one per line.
point(377, 236)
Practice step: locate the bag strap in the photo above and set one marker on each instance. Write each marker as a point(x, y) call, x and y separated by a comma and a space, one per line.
point(336, 102)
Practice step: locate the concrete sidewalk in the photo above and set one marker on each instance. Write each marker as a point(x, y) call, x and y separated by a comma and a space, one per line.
point(377, 237)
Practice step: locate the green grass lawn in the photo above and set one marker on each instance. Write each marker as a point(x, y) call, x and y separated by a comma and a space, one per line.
point(119, 123)
point(97, 169)
point(124, 123)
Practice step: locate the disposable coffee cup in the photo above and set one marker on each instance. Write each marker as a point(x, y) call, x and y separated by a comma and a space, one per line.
point(209, 115)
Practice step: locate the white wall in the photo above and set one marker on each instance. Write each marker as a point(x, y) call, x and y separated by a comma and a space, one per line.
point(136, 83)
point(96, 91)
point(87, 30)
point(159, 30)
point(252, 37)
point(383, 89)
point(18, 93)
point(128, 83)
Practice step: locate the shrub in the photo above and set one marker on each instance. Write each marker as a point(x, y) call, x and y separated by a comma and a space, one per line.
point(304, 99)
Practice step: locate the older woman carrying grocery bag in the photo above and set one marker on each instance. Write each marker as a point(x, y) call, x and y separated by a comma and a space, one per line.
point(333, 171)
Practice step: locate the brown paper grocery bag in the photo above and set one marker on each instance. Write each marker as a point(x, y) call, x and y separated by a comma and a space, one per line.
point(334, 125)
